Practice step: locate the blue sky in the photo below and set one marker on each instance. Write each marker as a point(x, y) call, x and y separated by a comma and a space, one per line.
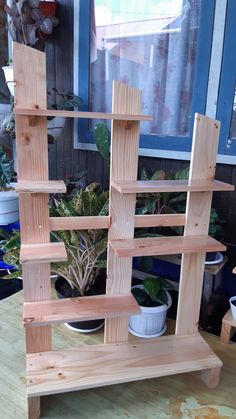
point(115, 11)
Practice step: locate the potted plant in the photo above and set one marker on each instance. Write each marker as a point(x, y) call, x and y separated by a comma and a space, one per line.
point(61, 101)
point(9, 205)
point(8, 285)
point(154, 301)
point(84, 271)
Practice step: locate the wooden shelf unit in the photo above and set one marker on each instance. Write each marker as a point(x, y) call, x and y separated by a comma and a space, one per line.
point(118, 359)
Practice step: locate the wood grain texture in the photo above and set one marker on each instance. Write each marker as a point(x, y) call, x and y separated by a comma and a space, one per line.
point(146, 186)
point(79, 223)
point(43, 253)
point(203, 161)
point(159, 220)
point(165, 245)
point(41, 186)
point(34, 408)
point(100, 365)
point(79, 309)
point(227, 328)
point(211, 377)
point(124, 166)
point(122, 116)
point(32, 163)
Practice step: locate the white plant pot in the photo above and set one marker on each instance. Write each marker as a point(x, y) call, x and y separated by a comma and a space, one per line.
point(9, 206)
point(151, 322)
point(233, 307)
point(8, 72)
point(56, 127)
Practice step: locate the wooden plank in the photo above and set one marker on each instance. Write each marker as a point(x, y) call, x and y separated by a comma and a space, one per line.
point(43, 253)
point(150, 186)
point(101, 365)
point(124, 166)
point(79, 223)
point(159, 220)
point(79, 309)
point(204, 151)
point(228, 319)
point(88, 115)
point(41, 186)
point(165, 245)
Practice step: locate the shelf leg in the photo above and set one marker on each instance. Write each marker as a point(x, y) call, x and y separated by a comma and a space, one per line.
point(33, 407)
point(226, 332)
point(211, 377)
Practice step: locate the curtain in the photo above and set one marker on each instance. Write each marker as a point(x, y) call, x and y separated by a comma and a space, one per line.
point(156, 55)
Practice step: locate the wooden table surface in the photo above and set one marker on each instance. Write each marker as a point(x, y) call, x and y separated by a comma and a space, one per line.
point(180, 396)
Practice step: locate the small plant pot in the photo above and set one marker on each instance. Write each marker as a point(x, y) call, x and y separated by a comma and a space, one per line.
point(63, 290)
point(213, 258)
point(232, 302)
point(151, 322)
point(48, 8)
point(9, 206)
point(56, 127)
point(8, 72)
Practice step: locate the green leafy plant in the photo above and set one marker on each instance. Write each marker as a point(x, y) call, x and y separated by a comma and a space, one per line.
point(63, 100)
point(153, 293)
point(85, 249)
point(6, 171)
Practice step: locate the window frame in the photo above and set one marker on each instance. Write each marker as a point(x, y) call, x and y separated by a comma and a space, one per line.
point(151, 142)
point(227, 146)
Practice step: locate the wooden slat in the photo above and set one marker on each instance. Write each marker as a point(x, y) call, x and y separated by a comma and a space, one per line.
point(165, 245)
point(78, 223)
point(149, 186)
point(90, 115)
point(40, 186)
point(32, 164)
point(159, 220)
point(202, 167)
point(100, 365)
point(43, 253)
point(124, 166)
point(79, 309)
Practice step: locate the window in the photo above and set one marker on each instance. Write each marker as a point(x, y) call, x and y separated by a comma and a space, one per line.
point(4, 92)
point(161, 47)
point(226, 109)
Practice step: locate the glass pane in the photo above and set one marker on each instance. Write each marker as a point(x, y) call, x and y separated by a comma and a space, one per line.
point(4, 92)
point(150, 45)
point(233, 120)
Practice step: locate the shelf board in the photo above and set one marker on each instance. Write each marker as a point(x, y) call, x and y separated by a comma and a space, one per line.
point(147, 186)
point(101, 365)
point(43, 253)
point(79, 309)
point(75, 114)
point(40, 186)
point(165, 246)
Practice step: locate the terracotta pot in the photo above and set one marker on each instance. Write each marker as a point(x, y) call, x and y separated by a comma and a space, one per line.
point(48, 8)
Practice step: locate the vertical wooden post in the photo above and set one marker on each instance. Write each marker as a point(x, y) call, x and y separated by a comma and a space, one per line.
point(32, 162)
point(203, 161)
point(124, 166)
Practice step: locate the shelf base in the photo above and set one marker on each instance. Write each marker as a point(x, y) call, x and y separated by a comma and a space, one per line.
point(101, 365)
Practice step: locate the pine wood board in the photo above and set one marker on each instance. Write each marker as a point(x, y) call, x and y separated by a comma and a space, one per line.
point(198, 207)
point(165, 245)
point(88, 115)
point(101, 365)
point(79, 309)
point(43, 253)
point(159, 220)
point(151, 186)
point(124, 166)
point(228, 319)
point(79, 223)
point(40, 186)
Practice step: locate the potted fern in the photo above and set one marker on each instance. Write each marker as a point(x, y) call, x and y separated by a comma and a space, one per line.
point(154, 301)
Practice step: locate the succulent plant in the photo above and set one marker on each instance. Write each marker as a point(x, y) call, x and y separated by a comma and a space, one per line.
point(27, 24)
